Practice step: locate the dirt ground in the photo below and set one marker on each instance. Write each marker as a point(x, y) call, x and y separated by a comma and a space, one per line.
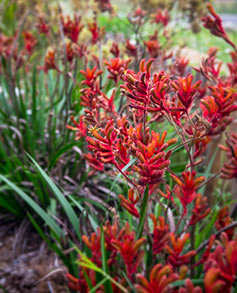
point(28, 266)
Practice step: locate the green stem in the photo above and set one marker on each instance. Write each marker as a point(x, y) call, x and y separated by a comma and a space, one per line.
point(143, 212)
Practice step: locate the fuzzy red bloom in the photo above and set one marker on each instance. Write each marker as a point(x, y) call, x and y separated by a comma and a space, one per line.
point(131, 49)
point(112, 232)
point(137, 87)
point(210, 68)
point(159, 280)
point(129, 204)
point(80, 284)
point(104, 5)
point(214, 24)
point(160, 234)
point(96, 32)
point(160, 89)
point(103, 146)
point(130, 252)
point(223, 220)
point(233, 69)
point(229, 170)
point(70, 51)
point(42, 27)
point(29, 42)
point(217, 108)
point(153, 48)
point(95, 164)
point(94, 244)
point(49, 62)
point(175, 257)
point(91, 76)
point(186, 189)
point(179, 66)
point(116, 68)
point(72, 28)
point(115, 50)
point(200, 210)
point(186, 91)
point(221, 267)
point(80, 127)
point(152, 159)
point(162, 17)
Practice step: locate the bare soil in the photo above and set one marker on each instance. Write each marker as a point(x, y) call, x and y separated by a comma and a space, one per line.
point(28, 266)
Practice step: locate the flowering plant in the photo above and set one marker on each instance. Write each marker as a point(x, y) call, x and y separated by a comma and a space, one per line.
point(152, 243)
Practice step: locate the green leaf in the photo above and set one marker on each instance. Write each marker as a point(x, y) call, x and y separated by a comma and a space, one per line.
point(53, 160)
point(87, 263)
point(108, 285)
point(93, 223)
point(61, 198)
point(48, 220)
point(53, 246)
point(182, 282)
point(99, 284)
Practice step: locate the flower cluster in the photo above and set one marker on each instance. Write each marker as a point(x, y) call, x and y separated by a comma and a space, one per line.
point(147, 122)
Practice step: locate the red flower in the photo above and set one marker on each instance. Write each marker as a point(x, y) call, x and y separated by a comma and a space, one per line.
point(129, 204)
point(42, 27)
point(96, 32)
point(162, 17)
point(116, 68)
point(186, 189)
point(229, 170)
point(115, 50)
point(94, 244)
point(153, 48)
point(112, 232)
point(175, 257)
point(160, 234)
point(200, 210)
point(186, 91)
point(214, 24)
point(70, 51)
point(137, 87)
point(159, 280)
point(72, 28)
point(221, 267)
point(210, 68)
point(80, 127)
point(91, 76)
point(217, 108)
point(223, 220)
point(160, 89)
point(131, 49)
point(80, 284)
point(179, 66)
point(103, 146)
point(130, 253)
point(152, 160)
point(49, 62)
point(104, 5)
point(95, 164)
point(30, 42)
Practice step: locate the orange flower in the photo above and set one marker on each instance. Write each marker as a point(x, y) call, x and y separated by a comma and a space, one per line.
point(175, 257)
point(159, 280)
point(186, 189)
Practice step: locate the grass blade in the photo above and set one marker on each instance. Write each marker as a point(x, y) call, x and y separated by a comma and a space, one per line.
point(47, 219)
point(61, 198)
